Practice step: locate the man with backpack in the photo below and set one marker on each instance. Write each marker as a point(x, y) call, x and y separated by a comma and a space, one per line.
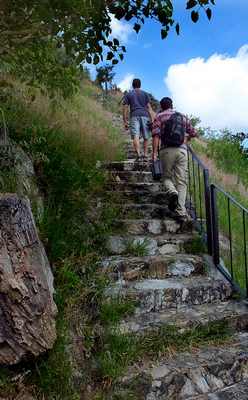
point(171, 132)
point(141, 116)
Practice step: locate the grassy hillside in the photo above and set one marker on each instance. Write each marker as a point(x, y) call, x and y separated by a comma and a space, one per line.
point(66, 139)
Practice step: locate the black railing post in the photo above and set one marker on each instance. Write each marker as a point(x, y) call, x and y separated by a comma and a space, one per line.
point(208, 210)
point(215, 226)
point(245, 252)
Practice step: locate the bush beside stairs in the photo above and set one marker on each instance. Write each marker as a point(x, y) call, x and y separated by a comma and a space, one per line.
point(177, 293)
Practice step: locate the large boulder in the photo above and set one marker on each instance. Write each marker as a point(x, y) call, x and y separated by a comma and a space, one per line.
point(27, 309)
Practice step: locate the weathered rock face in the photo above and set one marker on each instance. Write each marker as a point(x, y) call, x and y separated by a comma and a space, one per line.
point(27, 309)
point(14, 161)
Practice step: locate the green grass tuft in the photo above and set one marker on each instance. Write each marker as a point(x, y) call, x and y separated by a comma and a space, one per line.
point(121, 350)
point(136, 248)
point(114, 311)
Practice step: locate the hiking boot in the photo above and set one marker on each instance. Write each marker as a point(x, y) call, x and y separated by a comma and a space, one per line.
point(173, 201)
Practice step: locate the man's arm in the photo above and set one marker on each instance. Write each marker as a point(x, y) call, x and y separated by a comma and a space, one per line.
point(190, 131)
point(156, 137)
point(152, 114)
point(125, 113)
point(155, 146)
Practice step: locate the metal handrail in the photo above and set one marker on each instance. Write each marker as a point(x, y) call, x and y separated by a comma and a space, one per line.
point(230, 275)
point(205, 173)
point(199, 161)
point(230, 197)
point(210, 227)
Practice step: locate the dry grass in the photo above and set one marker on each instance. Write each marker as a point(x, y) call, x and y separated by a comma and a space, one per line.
point(230, 182)
point(80, 116)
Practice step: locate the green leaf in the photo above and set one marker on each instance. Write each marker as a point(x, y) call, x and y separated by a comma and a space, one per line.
point(129, 16)
point(116, 42)
point(209, 13)
point(121, 56)
point(213, 2)
point(163, 17)
point(119, 13)
point(177, 29)
point(123, 49)
point(164, 33)
point(194, 16)
point(114, 62)
point(137, 28)
point(191, 4)
point(110, 55)
point(146, 11)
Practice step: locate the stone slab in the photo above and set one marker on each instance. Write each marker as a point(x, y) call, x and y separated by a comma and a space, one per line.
point(130, 268)
point(234, 313)
point(149, 226)
point(212, 371)
point(155, 295)
point(137, 187)
point(167, 244)
point(127, 165)
point(131, 176)
point(238, 391)
point(139, 196)
point(149, 211)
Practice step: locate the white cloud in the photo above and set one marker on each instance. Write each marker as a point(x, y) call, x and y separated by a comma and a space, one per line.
point(215, 89)
point(120, 30)
point(126, 82)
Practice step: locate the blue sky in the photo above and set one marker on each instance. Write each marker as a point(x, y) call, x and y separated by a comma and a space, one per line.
point(151, 59)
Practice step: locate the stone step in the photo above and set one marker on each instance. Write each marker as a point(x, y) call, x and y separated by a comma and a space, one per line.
point(138, 196)
point(234, 313)
point(155, 295)
point(130, 153)
point(131, 268)
point(151, 226)
point(238, 391)
point(128, 165)
point(149, 211)
point(136, 187)
point(211, 373)
point(131, 176)
point(138, 245)
point(129, 144)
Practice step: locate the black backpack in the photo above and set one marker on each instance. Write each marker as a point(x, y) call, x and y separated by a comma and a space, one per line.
point(173, 131)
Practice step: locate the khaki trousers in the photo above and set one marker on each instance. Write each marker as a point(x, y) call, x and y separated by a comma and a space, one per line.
point(175, 174)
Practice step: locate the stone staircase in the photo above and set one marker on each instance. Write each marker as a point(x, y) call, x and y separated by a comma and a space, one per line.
point(150, 261)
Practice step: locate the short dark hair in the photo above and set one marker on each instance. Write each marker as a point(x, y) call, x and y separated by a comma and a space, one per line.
point(166, 103)
point(136, 83)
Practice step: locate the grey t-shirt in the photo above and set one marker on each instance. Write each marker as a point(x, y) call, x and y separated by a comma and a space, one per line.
point(138, 101)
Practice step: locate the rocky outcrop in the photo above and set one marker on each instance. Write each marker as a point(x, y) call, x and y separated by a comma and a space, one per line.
point(17, 175)
point(27, 309)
